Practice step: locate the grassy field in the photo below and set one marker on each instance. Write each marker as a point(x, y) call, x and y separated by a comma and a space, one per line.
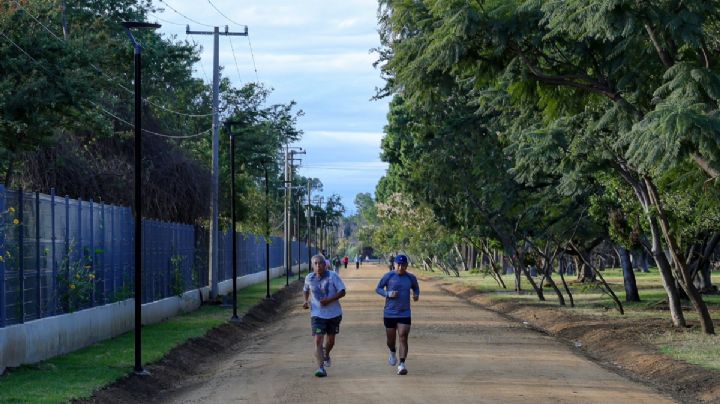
point(78, 374)
point(689, 345)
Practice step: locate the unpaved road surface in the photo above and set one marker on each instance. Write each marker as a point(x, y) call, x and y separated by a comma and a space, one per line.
point(458, 354)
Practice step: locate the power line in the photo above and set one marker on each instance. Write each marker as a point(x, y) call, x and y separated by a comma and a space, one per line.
point(20, 48)
point(110, 78)
point(257, 78)
point(202, 65)
point(226, 17)
point(167, 21)
point(183, 15)
point(131, 125)
point(237, 68)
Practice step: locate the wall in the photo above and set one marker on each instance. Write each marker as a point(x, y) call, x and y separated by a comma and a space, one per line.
point(38, 340)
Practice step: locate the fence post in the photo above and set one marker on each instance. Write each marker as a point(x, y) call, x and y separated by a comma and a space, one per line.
point(38, 277)
point(52, 251)
point(21, 256)
point(92, 252)
point(67, 252)
point(2, 256)
point(102, 279)
point(112, 252)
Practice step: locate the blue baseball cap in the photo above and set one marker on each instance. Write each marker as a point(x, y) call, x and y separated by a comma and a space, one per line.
point(401, 259)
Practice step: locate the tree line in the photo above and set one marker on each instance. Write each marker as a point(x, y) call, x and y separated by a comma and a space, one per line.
point(546, 129)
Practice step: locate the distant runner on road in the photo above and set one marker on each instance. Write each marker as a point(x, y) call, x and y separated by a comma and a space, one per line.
point(395, 287)
point(322, 290)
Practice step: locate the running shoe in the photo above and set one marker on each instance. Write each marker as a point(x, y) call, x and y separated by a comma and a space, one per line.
point(392, 359)
point(402, 370)
point(320, 372)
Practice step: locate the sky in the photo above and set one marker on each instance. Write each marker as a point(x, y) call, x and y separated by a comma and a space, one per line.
point(316, 52)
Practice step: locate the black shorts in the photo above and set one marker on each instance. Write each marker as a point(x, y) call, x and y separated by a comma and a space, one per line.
point(322, 326)
point(392, 322)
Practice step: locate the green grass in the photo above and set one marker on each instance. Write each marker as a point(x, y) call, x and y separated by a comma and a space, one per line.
point(78, 374)
point(691, 346)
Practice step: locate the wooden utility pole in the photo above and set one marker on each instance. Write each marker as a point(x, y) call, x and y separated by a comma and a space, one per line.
point(214, 231)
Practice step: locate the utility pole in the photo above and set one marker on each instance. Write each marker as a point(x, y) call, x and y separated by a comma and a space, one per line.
point(288, 212)
point(214, 230)
point(291, 161)
point(308, 226)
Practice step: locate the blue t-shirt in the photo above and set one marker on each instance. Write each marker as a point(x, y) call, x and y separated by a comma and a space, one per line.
point(321, 287)
point(400, 305)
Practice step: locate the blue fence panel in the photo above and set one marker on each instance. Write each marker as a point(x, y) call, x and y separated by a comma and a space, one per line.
point(59, 255)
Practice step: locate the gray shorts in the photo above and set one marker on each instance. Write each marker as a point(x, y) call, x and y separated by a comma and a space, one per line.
point(322, 326)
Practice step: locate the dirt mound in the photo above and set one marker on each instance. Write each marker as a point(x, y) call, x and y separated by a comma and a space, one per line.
point(185, 364)
point(614, 343)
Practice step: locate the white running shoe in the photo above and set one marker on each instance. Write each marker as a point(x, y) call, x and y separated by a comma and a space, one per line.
point(402, 370)
point(392, 359)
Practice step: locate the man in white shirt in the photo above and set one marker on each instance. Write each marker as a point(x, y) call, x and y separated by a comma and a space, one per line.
point(322, 291)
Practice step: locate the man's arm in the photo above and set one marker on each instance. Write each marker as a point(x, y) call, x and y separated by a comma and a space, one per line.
point(380, 289)
point(306, 294)
point(415, 289)
point(329, 300)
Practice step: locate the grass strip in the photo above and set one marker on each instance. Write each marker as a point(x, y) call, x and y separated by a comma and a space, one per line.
point(78, 374)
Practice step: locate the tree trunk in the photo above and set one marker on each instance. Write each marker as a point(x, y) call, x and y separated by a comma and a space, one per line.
point(521, 263)
point(9, 172)
point(461, 256)
point(685, 280)
point(602, 280)
point(547, 271)
point(641, 193)
point(561, 271)
point(631, 290)
point(494, 269)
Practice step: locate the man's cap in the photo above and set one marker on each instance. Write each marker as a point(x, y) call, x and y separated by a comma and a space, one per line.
point(401, 259)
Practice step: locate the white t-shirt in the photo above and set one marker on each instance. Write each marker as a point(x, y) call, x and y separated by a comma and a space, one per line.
point(328, 285)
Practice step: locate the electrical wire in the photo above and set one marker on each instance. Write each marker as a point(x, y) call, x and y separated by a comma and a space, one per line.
point(20, 48)
point(184, 16)
point(202, 65)
point(226, 17)
point(110, 78)
point(237, 67)
point(167, 21)
point(257, 78)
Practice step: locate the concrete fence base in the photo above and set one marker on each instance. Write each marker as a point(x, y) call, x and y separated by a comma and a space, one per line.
point(45, 338)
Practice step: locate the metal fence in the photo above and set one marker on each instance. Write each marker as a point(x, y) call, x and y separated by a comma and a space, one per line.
point(59, 255)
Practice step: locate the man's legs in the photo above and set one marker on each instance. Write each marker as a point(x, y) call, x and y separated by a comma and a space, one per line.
point(329, 344)
point(390, 334)
point(403, 331)
point(319, 355)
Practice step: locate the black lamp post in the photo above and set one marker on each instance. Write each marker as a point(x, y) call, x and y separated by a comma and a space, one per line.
point(298, 237)
point(229, 125)
point(129, 25)
point(267, 232)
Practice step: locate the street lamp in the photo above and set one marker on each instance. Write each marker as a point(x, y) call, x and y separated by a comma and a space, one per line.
point(229, 125)
point(129, 25)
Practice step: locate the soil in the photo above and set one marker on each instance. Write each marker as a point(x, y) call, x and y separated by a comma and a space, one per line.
point(462, 349)
point(615, 343)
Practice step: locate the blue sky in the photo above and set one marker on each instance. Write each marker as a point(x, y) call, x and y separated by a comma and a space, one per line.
point(311, 51)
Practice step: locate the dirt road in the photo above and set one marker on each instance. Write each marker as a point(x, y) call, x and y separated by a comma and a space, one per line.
point(458, 354)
